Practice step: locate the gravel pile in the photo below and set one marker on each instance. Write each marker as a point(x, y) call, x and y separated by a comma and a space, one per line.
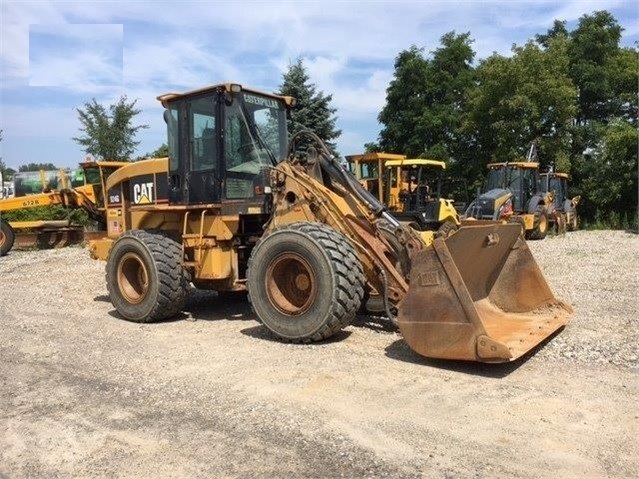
point(597, 272)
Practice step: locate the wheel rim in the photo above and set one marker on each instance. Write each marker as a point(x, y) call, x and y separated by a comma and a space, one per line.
point(290, 284)
point(543, 224)
point(133, 278)
point(3, 238)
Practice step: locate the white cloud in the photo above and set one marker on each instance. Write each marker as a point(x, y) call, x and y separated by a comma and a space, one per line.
point(179, 62)
point(75, 55)
point(14, 54)
point(348, 48)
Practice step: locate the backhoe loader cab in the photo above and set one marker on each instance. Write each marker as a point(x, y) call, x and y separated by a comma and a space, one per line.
point(562, 211)
point(512, 193)
point(369, 169)
point(241, 208)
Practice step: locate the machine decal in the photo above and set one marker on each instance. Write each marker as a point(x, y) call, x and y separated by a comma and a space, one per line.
point(143, 193)
point(114, 196)
point(142, 190)
point(259, 100)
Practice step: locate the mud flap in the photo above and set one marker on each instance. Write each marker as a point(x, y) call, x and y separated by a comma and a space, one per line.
point(478, 295)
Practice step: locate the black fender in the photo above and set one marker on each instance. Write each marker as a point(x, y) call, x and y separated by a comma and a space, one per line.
point(534, 202)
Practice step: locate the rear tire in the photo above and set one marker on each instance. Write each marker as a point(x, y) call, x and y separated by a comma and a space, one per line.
point(305, 282)
point(7, 237)
point(145, 278)
point(540, 224)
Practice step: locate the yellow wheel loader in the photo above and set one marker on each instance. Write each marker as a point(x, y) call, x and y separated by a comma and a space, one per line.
point(512, 194)
point(239, 206)
point(87, 194)
point(410, 188)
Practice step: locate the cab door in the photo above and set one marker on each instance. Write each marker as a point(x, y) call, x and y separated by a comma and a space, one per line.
point(204, 176)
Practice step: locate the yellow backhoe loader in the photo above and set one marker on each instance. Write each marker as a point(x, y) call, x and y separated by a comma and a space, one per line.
point(239, 206)
point(512, 194)
point(89, 195)
point(562, 212)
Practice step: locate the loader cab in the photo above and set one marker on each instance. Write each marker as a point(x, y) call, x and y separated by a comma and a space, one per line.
point(369, 169)
point(521, 179)
point(222, 141)
point(556, 183)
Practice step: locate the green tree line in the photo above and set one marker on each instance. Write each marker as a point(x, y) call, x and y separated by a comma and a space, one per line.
point(574, 93)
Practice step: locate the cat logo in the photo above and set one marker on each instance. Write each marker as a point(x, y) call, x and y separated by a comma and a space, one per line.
point(143, 193)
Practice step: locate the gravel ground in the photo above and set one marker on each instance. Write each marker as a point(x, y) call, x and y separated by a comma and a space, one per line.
point(212, 394)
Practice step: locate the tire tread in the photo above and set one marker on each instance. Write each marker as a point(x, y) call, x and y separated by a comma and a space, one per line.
point(348, 273)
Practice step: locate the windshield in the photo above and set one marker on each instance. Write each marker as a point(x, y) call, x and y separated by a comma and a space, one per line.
point(368, 171)
point(254, 138)
point(495, 179)
point(268, 117)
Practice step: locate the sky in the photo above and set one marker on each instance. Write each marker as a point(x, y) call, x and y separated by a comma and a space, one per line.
point(57, 55)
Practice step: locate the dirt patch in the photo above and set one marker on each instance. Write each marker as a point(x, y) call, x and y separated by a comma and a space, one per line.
point(213, 394)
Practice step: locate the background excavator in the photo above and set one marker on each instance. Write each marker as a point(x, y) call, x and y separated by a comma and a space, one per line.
point(85, 191)
point(243, 207)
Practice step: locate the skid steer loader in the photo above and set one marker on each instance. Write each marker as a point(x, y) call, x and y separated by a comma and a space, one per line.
point(237, 206)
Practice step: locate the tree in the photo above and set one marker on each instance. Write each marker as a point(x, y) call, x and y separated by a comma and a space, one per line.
point(593, 48)
point(426, 100)
point(528, 97)
point(609, 173)
point(602, 154)
point(405, 103)
point(37, 167)
point(7, 173)
point(451, 78)
point(558, 30)
point(109, 133)
point(161, 151)
point(313, 111)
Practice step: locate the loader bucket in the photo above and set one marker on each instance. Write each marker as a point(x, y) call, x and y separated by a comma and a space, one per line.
point(478, 295)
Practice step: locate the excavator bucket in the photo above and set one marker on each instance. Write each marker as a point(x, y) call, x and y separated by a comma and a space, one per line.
point(478, 295)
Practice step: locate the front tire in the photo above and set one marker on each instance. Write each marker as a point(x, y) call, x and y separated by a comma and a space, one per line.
point(7, 237)
point(145, 278)
point(305, 282)
point(540, 224)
